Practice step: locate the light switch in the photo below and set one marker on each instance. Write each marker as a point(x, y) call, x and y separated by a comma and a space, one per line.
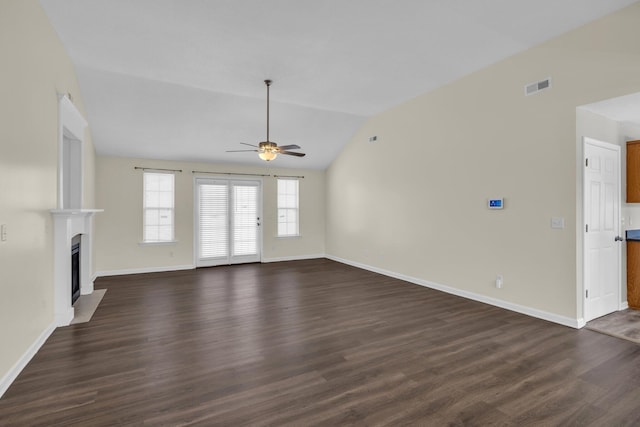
point(3, 232)
point(557, 222)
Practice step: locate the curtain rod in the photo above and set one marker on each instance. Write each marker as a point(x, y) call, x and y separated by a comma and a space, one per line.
point(288, 176)
point(230, 173)
point(157, 169)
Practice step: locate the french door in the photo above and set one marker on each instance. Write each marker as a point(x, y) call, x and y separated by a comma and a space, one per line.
point(228, 217)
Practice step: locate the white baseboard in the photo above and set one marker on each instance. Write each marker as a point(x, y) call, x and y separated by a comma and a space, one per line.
point(144, 270)
point(293, 258)
point(64, 319)
point(13, 373)
point(191, 267)
point(529, 311)
point(624, 305)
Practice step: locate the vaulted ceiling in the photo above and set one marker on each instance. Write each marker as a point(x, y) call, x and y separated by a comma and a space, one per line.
point(183, 79)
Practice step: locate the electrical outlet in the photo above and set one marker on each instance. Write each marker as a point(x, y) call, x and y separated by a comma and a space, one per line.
point(3, 232)
point(499, 281)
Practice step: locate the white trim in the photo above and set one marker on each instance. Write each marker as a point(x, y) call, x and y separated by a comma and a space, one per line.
point(143, 270)
point(624, 305)
point(162, 243)
point(293, 258)
point(15, 370)
point(529, 311)
point(71, 212)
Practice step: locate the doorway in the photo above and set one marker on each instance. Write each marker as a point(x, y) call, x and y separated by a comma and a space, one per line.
point(601, 210)
point(227, 224)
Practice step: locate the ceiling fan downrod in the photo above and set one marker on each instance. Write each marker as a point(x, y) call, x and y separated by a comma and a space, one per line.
point(268, 83)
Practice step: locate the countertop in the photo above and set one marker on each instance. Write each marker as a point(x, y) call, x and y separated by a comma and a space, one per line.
point(633, 235)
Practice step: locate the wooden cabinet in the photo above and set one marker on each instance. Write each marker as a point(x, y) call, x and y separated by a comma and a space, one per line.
point(633, 274)
point(633, 171)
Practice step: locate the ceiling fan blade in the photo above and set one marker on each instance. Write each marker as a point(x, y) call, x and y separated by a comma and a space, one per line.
point(241, 151)
point(250, 145)
point(292, 153)
point(288, 147)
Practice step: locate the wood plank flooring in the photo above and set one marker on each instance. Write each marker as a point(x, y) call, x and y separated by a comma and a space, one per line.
point(316, 342)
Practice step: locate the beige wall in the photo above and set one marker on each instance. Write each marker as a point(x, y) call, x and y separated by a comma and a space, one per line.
point(415, 202)
point(119, 227)
point(35, 67)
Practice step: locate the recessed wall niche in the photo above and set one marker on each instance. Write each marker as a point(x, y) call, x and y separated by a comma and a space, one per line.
point(70, 178)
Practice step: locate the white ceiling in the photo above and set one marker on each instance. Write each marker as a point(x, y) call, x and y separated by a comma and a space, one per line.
point(183, 79)
point(624, 109)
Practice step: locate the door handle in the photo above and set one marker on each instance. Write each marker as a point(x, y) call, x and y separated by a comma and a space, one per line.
point(618, 239)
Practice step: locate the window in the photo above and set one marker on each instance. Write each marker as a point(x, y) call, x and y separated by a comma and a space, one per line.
point(158, 206)
point(288, 207)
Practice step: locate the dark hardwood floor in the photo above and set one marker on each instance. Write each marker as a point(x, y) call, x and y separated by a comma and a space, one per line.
point(317, 343)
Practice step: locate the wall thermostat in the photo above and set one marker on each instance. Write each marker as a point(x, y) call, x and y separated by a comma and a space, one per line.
point(496, 203)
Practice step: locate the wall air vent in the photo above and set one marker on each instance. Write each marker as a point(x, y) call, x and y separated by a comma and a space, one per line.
point(536, 87)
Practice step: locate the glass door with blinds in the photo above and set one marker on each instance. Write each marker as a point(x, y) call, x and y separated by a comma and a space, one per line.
point(227, 221)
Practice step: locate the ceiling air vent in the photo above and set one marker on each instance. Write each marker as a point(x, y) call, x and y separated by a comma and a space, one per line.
point(536, 87)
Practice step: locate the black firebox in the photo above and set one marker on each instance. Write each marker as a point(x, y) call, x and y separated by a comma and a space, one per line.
point(75, 269)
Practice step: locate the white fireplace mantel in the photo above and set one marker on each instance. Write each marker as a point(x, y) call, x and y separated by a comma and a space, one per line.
point(68, 223)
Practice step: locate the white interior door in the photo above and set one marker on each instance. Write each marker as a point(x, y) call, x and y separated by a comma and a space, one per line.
point(227, 221)
point(602, 228)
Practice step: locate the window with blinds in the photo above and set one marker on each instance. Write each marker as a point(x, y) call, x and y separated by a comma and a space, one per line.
point(213, 220)
point(288, 208)
point(158, 207)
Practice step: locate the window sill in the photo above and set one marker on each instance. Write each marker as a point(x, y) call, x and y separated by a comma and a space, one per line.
point(292, 236)
point(168, 242)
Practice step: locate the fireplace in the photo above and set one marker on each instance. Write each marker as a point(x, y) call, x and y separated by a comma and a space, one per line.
point(66, 224)
point(75, 268)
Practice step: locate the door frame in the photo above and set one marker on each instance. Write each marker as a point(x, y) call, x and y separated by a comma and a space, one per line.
point(606, 145)
point(229, 179)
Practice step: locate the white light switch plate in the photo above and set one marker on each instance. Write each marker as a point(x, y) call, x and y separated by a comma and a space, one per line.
point(557, 222)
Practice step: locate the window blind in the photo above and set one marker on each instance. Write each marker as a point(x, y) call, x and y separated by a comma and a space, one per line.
point(288, 207)
point(158, 207)
point(213, 226)
point(245, 218)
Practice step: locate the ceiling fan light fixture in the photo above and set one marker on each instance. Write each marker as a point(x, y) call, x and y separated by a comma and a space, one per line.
point(267, 150)
point(267, 156)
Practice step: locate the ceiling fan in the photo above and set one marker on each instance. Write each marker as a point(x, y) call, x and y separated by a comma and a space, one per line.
point(268, 150)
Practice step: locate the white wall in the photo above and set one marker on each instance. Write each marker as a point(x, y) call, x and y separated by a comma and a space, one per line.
point(35, 67)
point(415, 202)
point(119, 227)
